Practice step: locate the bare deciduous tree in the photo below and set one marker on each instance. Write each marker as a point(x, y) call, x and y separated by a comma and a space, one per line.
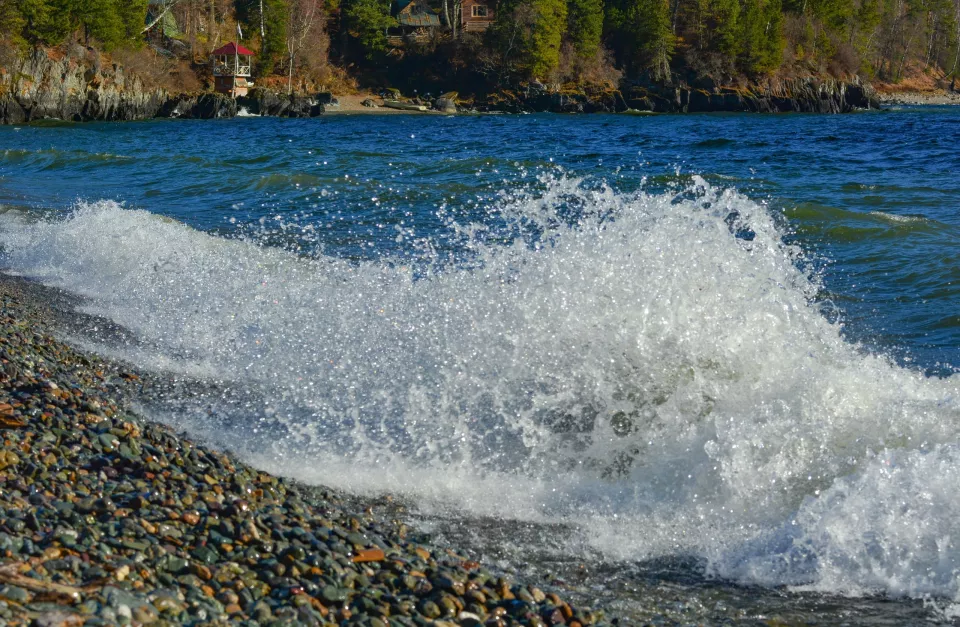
point(303, 29)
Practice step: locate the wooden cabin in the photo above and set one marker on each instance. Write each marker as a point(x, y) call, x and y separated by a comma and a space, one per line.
point(415, 18)
point(477, 15)
point(231, 69)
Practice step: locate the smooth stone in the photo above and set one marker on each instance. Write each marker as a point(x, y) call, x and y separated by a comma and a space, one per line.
point(332, 594)
point(358, 539)
point(108, 441)
point(205, 554)
point(14, 593)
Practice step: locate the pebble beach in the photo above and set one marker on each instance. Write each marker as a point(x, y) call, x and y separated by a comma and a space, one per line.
point(109, 519)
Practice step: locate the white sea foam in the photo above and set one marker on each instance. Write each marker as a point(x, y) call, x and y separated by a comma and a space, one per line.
point(660, 377)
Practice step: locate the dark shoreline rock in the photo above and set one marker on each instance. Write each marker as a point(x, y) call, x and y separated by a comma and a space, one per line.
point(806, 95)
point(270, 103)
point(204, 106)
point(106, 518)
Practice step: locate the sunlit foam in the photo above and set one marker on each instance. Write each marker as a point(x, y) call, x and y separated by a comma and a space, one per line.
point(650, 367)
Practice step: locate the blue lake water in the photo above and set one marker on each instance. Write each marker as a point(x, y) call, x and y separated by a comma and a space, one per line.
point(729, 338)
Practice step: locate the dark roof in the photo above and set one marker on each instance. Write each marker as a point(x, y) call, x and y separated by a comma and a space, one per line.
point(419, 19)
point(419, 14)
point(231, 48)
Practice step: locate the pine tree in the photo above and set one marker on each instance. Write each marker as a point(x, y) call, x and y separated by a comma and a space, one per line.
point(44, 21)
point(836, 14)
point(762, 36)
point(655, 36)
point(585, 26)
point(550, 21)
point(726, 25)
point(368, 21)
point(11, 23)
point(98, 20)
point(276, 13)
point(863, 32)
point(132, 14)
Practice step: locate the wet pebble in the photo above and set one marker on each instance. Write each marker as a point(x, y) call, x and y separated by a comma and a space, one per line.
point(116, 520)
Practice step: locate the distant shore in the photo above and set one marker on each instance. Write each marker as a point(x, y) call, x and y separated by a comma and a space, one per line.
point(920, 98)
point(353, 103)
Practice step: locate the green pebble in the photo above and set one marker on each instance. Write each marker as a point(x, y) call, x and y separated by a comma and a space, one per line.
point(358, 539)
point(108, 441)
point(14, 593)
point(177, 564)
point(430, 609)
point(205, 554)
point(135, 545)
point(332, 594)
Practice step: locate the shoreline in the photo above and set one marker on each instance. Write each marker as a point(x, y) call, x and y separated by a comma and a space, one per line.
point(919, 98)
point(350, 105)
point(109, 518)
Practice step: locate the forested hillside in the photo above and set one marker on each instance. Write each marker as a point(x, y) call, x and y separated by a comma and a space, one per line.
point(306, 42)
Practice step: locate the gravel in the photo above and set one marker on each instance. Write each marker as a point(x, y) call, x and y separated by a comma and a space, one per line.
point(107, 519)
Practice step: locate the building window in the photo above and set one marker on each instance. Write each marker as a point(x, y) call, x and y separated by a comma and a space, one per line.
point(478, 10)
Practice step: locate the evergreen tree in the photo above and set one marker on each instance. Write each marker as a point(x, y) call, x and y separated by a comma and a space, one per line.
point(694, 16)
point(97, 19)
point(761, 36)
point(655, 36)
point(585, 26)
point(368, 21)
point(276, 13)
point(133, 14)
point(726, 26)
point(865, 25)
point(11, 22)
point(550, 21)
point(44, 21)
point(836, 14)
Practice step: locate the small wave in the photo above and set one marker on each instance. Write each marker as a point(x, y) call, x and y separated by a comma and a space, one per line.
point(901, 218)
point(715, 143)
point(283, 181)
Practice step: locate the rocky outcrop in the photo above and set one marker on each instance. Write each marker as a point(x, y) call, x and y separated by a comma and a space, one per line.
point(265, 102)
point(73, 85)
point(445, 104)
point(806, 95)
point(76, 85)
point(203, 106)
point(537, 99)
point(809, 95)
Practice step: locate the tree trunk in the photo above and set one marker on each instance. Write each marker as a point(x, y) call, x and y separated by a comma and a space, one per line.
point(290, 76)
point(160, 17)
point(213, 21)
point(457, 13)
point(344, 36)
point(263, 29)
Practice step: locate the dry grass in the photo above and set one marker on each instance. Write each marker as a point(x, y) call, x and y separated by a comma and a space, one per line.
point(597, 71)
point(158, 71)
point(916, 79)
point(326, 77)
